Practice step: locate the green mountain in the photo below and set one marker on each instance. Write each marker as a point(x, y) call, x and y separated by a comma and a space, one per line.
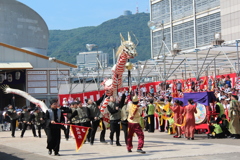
point(66, 44)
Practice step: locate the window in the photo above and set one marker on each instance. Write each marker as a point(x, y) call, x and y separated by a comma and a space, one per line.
point(206, 28)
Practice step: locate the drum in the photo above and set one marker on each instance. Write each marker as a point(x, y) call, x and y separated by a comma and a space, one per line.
point(201, 114)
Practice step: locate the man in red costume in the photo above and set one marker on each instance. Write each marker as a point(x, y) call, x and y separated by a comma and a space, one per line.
point(134, 119)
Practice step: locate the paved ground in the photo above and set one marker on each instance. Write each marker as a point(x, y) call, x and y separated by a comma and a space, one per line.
point(157, 146)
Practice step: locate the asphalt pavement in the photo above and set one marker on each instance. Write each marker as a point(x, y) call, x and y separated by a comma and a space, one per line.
point(158, 145)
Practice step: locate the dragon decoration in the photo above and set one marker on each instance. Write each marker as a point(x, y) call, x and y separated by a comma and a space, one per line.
point(35, 101)
point(126, 51)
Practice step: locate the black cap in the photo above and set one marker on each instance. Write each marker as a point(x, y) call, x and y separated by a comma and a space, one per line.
point(25, 107)
point(213, 121)
point(78, 102)
point(73, 103)
point(53, 101)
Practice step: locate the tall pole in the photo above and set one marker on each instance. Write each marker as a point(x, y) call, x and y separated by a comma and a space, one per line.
point(185, 70)
point(215, 72)
point(129, 76)
point(164, 58)
point(197, 63)
point(114, 58)
point(238, 68)
point(98, 70)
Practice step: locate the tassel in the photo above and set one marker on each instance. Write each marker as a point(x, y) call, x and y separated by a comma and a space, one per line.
point(101, 125)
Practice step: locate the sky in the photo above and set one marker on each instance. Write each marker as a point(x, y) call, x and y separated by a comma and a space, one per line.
point(70, 14)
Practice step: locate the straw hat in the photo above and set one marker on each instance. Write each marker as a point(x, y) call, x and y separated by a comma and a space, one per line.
point(135, 98)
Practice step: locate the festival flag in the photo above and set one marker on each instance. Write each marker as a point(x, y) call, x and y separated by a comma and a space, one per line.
point(80, 134)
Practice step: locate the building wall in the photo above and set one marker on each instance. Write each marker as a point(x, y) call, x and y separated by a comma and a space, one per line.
point(22, 27)
point(88, 59)
point(190, 23)
point(230, 14)
point(43, 80)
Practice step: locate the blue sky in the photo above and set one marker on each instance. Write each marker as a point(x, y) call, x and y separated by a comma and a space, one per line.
point(69, 14)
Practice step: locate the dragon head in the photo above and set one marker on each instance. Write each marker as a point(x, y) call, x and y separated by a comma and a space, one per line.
point(128, 46)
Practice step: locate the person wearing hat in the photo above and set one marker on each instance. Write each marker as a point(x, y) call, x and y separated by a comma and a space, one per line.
point(225, 125)
point(25, 119)
point(150, 116)
point(65, 102)
point(161, 112)
point(53, 115)
point(215, 130)
point(134, 120)
point(115, 118)
point(219, 108)
point(83, 114)
point(11, 112)
point(74, 120)
point(233, 114)
point(95, 116)
point(37, 117)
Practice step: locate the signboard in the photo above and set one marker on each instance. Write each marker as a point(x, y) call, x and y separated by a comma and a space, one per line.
point(56, 78)
point(37, 82)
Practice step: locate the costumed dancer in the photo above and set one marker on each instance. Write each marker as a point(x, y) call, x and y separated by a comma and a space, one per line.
point(134, 126)
point(150, 116)
point(13, 118)
point(124, 116)
point(83, 114)
point(234, 124)
point(26, 121)
point(53, 115)
point(181, 115)
point(95, 116)
point(215, 130)
point(159, 109)
point(177, 119)
point(38, 118)
point(74, 120)
point(189, 111)
point(115, 118)
point(225, 125)
point(219, 108)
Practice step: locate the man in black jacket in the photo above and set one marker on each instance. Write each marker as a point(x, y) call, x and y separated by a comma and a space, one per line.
point(115, 118)
point(25, 119)
point(37, 117)
point(83, 114)
point(95, 115)
point(53, 115)
point(11, 112)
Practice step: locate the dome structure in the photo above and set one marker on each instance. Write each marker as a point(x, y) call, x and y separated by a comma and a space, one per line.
point(22, 27)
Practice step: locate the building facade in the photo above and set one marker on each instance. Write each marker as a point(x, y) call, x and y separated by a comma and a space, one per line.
point(188, 23)
point(230, 19)
point(30, 72)
point(88, 60)
point(22, 27)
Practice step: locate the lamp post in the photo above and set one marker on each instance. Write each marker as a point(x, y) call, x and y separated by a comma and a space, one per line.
point(152, 26)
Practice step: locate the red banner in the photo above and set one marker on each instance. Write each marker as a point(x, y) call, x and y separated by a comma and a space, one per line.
point(95, 95)
point(80, 134)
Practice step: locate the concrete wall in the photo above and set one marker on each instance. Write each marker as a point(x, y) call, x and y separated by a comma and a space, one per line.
point(230, 13)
